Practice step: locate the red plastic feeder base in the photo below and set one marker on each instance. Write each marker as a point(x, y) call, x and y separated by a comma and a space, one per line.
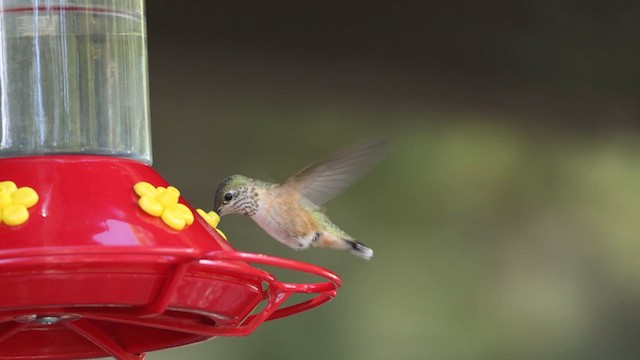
point(90, 274)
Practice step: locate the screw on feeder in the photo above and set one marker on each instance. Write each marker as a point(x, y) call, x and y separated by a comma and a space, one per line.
point(48, 320)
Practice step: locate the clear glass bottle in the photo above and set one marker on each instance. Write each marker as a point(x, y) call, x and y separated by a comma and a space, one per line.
point(73, 78)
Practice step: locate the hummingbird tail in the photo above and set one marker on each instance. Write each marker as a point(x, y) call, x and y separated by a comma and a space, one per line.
point(333, 241)
point(359, 249)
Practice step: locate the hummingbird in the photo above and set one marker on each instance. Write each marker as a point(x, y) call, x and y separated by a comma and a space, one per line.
point(291, 211)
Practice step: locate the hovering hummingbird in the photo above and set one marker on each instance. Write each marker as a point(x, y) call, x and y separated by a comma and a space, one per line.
point(290, 212)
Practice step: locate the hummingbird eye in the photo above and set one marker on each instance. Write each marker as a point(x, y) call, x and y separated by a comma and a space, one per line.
point(228, 196)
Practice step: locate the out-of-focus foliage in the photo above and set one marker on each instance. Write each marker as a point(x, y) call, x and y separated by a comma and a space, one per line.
point(491, 242)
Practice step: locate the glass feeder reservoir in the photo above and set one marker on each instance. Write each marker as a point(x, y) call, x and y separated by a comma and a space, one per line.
point(73, 78)
point(99, 255)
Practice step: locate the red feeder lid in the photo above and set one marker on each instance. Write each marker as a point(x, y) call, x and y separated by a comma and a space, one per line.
point(90, 274)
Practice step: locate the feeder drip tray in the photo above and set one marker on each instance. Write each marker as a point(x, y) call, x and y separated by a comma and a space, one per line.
point(76, 308)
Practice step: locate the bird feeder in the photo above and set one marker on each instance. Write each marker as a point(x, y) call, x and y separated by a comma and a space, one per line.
point(99, 255)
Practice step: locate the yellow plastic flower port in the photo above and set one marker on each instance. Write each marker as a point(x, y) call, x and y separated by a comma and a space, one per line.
point(14, 203)
point(212, 219)
point(163, 203)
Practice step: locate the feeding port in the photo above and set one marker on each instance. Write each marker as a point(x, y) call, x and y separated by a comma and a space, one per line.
point(87, 267)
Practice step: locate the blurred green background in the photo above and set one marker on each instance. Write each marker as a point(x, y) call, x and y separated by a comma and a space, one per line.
point(505, 221)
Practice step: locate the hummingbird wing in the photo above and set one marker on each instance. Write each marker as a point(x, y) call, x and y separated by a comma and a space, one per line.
point(322, 180)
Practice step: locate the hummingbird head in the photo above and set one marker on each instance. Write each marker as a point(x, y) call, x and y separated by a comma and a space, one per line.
point(235, 195)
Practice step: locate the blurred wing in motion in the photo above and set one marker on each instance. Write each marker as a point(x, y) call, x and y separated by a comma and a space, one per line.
point(324, 179)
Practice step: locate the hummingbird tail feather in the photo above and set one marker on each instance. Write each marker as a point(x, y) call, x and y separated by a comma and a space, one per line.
point(359, 249)
point(333, 241)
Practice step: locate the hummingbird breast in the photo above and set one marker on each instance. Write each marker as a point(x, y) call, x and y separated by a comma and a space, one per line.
point(283, 217)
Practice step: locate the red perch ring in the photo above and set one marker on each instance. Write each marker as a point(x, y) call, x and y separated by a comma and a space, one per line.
point(90, 274)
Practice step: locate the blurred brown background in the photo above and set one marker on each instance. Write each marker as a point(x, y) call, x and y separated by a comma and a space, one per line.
point(505, 220)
